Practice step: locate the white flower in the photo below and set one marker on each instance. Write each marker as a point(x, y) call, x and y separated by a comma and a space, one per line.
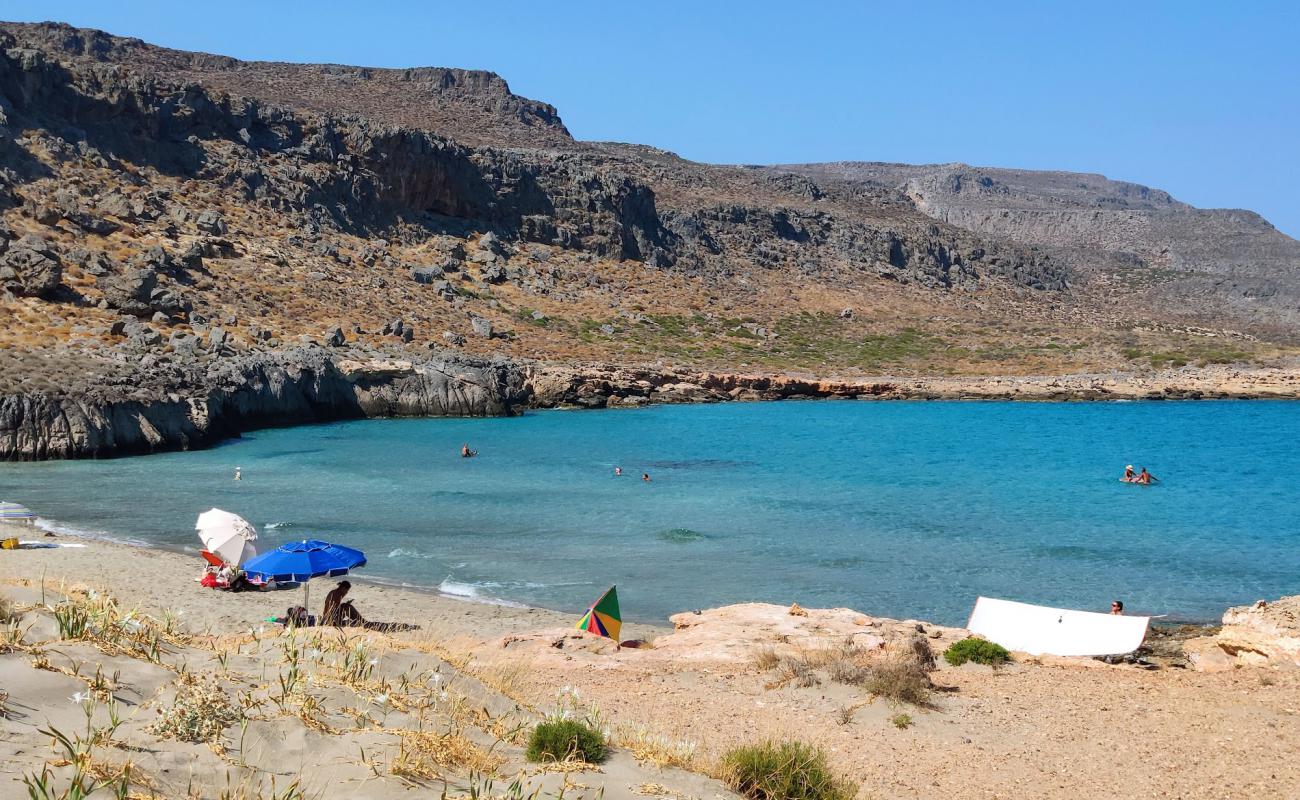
point(314, 654)
point(436, 679)
point(373, 662)
point(380, 699)
point(442, 695)
point(80, 697)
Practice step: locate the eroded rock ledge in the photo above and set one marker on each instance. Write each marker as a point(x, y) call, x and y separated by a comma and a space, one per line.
point(198, 407)
point(119, 408)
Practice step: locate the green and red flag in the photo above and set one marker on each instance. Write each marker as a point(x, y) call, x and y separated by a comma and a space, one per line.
point(603, 618)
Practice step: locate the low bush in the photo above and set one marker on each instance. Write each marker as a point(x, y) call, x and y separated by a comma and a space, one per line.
point(981, 651)
point(200, 712)
point(901, 680)
point(566, 740)
point(785, 771)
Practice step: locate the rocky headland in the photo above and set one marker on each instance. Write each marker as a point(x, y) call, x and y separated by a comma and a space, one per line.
point(192, 246)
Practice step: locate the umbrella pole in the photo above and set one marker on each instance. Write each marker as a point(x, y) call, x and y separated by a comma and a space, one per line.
point(306, 596)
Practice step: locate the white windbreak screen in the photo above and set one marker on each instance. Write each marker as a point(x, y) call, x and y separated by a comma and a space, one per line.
point(1042, 630)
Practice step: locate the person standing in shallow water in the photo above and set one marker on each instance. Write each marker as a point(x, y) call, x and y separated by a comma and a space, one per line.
point(239, 475)
point(1117, 607)
point(618, 472)
point(645, 476)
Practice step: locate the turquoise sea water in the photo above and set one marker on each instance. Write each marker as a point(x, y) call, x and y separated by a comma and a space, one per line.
point(907, 509)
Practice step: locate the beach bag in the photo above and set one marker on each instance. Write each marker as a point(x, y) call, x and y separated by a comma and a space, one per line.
point(209, 581)
point(10, 544)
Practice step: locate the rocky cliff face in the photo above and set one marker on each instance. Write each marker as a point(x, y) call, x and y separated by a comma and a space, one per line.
point(238, 394)
point(1229, 261)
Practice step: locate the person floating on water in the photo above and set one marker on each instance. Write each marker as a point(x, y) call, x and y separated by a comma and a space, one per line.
point(1129, 474)
point(1117, 607)
point(1145, 477)
point(465, 452)
point(618, 472)
point(239, 475)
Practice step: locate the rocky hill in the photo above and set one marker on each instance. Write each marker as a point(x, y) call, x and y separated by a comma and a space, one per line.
point(173, 224)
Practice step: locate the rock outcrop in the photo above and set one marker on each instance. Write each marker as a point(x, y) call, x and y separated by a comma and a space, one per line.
point(1263, 634)
point(247, 392)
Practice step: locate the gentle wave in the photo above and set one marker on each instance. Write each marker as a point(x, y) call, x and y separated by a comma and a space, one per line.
point(270, 526)
point(55, 527)
point(470, 591)
point(402, 552)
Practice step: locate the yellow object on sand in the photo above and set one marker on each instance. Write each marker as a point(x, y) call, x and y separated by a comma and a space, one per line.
point(10, 544)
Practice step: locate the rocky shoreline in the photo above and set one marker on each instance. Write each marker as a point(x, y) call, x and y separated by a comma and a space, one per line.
point(197, 403)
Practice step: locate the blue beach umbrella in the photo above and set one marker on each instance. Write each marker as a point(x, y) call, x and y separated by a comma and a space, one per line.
point(12, 512)
point(301, 561)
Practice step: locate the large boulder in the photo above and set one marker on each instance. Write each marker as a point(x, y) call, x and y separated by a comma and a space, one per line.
point(426, 274)
point(211, 222)
point(30, 268)
point(1261, 634)
point(136, 291)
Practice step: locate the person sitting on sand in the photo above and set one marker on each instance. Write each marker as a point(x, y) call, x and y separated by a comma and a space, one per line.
point(1129, 474)
point(1117, 607)
point(339, 612)
point(465, 452)
point(1145, 477)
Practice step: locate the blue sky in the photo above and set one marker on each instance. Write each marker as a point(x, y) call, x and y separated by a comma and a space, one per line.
point(1199, 98)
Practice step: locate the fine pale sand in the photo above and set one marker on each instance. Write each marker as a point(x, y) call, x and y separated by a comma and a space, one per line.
point(1052, 728)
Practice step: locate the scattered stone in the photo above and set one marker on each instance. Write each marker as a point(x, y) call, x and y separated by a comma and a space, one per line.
point(426, 274)
point(218, 339)
point(334, 337)
point(211, 221)
point(482, 326)
point(846, 314)
point(494, 274)
point(452, 338)
point(317, 276)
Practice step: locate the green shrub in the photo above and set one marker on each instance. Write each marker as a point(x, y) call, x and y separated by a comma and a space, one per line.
point(981, 651)
point(786, 771)
point(566, 740)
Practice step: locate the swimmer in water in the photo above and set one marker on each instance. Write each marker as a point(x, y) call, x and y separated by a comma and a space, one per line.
point(1145, 477)
point(618, 471)
point(645, 476)
point(1129, 474)
point(465, 452)
point(239, 475)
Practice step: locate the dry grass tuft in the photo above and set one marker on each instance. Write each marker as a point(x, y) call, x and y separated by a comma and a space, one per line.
point(661, 751)
point(765, 658)
point(426, 755)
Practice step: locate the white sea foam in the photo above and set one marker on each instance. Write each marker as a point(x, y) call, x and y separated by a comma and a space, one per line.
point(402, 552)
point(270, 526)
point(473, 591)
point(56, 527)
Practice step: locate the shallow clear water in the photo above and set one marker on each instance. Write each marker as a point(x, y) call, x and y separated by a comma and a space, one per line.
point(908, 509)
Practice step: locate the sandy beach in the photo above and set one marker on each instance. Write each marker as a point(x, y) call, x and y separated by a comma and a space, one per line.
point(1035, 728)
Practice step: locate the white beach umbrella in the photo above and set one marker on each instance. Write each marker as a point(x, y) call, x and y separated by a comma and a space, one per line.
point(227, 536)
